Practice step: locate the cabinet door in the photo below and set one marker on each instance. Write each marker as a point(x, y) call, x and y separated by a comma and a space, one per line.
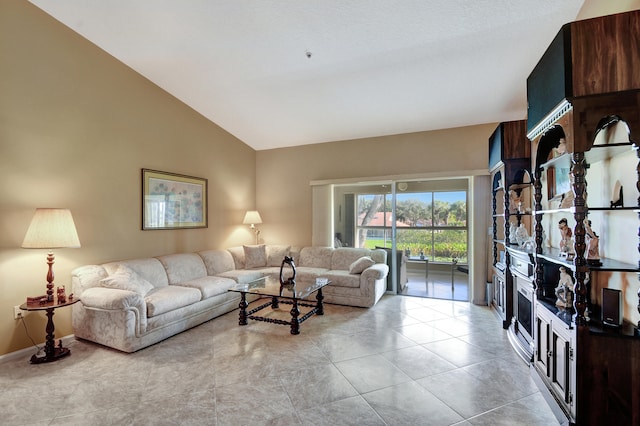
point(560, 368)
point(543, 331)
point(498, 290)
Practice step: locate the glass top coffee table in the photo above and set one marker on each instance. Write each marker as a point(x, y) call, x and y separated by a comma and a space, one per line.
point(296, 295)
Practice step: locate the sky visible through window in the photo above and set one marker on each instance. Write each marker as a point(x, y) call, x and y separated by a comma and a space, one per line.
point(449, 196)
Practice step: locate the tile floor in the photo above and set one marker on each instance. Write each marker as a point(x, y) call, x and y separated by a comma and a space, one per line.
point(437, 284)
point(407, 361)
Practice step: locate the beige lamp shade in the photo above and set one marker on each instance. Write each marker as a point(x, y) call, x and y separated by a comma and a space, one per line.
point(252, 217)
point(51, 228)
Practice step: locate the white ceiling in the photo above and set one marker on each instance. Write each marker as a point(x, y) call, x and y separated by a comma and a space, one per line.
point(377, 67)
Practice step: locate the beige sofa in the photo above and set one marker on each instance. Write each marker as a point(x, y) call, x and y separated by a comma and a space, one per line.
point(131, 304)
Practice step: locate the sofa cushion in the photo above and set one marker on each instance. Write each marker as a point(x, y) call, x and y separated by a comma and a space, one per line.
point(276, 253)
point(217, 261)
point(165, 299)
point(183, 267)
point(238, 256)
point(255, 256)
point(151, 269)
point(317, 257)
point(209, 286)
point(360, 265)
point(343, 257)
point(127, 279)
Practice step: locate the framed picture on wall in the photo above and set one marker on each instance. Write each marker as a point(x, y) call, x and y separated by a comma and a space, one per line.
point(173, 201)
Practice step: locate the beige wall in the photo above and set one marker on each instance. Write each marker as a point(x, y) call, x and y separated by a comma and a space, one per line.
point(76, 127)
point(284, 175)
point(594, 8)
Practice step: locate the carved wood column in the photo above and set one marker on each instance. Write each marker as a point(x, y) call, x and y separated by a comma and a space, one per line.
point(638, 204)
point(537, 230)
point(579, 188)
point(494, 205)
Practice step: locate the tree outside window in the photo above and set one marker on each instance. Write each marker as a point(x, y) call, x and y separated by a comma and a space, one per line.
point(429, 223)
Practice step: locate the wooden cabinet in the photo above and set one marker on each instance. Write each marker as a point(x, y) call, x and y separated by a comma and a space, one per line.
point(581, 122)
point(554, 357)
point(509, 162)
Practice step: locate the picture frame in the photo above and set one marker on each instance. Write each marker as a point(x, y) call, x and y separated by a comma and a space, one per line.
point(558, 182)
point(173, 201)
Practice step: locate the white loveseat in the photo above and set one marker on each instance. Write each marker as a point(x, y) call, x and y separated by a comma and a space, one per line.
point(131, 304)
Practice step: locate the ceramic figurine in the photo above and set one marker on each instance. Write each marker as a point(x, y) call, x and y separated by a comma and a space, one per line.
point(592, 242)
point(565, 236)
point(564, 290)
point(522, 236)
point(513, 229)
point(62, 297)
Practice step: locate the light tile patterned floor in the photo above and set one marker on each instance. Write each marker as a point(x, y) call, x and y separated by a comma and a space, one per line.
point(438, 284)
point(407, 361)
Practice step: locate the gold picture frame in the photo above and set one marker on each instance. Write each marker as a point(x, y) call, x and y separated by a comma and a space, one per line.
point(173, 201)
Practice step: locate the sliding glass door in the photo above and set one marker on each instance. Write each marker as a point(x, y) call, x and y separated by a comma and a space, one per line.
point(423, 220)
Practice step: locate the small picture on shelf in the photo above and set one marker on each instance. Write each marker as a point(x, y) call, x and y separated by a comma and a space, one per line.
point(558, 182)
point(617, 199)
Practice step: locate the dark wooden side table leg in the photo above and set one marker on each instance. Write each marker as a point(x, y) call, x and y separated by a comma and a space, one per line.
point(319, 305)
point(295, 322)
point(51, 353)
point(242, 320)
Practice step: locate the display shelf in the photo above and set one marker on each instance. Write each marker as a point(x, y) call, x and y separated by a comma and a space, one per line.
point(552, 254)
point(509, 162)
point(562, 161)
point(599, 153)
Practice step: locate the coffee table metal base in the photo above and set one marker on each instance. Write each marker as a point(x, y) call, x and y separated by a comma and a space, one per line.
point(296, 319)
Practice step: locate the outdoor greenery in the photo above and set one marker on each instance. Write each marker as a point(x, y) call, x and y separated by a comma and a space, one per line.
point(421, 226)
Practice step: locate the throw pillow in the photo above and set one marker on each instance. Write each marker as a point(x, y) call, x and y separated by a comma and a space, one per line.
point(361, 264)
point(255, 256)
point(126, 279)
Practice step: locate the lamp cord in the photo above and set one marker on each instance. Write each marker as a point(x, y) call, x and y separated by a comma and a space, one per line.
point(26, 330)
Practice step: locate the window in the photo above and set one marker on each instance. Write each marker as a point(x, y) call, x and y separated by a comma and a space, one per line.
point(432, 223)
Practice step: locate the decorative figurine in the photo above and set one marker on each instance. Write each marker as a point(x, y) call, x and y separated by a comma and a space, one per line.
point(513, 230)
point(560, 149)
point(515, 201)
point(62, 297)
point(290, 282)
point(564, 290)
point(288, 260)
point(592, 242)
point(522, 236)
point(566, 242)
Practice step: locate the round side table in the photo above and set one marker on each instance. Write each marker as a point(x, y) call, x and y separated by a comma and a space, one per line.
point(52, 353)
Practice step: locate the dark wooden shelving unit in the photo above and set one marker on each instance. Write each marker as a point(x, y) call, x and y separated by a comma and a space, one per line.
point(585, 84)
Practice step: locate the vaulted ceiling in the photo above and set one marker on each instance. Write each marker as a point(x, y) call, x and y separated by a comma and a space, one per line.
point(279, 73)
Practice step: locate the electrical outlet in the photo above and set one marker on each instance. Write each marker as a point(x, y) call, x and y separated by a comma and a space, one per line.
point(17, 312)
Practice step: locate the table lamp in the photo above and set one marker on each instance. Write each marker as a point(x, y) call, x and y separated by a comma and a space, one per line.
point(49, 229)
point(252, 217)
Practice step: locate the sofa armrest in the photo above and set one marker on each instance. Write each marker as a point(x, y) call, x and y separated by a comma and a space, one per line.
point(101, 308)
point(378, 271)
point(111, 299)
